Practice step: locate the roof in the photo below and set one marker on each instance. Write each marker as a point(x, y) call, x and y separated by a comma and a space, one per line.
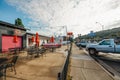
point(6, 24)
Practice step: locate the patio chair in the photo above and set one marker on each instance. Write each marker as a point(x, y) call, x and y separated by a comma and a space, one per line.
point(41, 51)
point(3, 71)
point(30, 52)
point(12, 63)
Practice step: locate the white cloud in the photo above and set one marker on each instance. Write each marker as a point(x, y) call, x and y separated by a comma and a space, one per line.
point(83, 13)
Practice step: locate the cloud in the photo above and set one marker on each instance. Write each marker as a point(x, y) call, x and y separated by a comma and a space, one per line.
point(83, 13)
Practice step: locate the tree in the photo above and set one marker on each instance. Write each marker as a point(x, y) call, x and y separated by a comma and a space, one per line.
point(18, 22)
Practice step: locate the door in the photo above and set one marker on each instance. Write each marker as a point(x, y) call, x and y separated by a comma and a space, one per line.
point(105, 46)
point(7, 42)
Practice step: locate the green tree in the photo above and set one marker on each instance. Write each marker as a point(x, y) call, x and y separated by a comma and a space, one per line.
point(18, 22)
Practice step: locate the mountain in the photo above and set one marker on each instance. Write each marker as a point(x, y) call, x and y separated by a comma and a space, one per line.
point(110, 33)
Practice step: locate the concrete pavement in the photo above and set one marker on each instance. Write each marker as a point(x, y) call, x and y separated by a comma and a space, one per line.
point(83, 67)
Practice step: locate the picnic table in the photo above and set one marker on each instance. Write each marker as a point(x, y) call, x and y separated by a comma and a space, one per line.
point(15, 50)
point(52, 46)
point(3, 60)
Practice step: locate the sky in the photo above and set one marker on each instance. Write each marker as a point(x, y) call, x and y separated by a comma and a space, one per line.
point(53, 17)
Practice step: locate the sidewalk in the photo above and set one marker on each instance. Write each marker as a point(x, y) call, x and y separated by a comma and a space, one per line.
point(83, 67)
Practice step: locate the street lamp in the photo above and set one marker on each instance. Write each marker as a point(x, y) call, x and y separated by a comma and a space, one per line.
point(101, 25)
point(66, 36)
point(65, 29)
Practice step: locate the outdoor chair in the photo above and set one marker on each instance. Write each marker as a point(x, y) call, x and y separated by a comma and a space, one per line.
point(35, 51)
point(30, 52)
point(3, 71)
point(12, 63)
point(43, 50)
point(39, 51)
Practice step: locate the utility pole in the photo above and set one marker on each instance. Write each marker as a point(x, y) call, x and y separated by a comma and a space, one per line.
point(66, 36)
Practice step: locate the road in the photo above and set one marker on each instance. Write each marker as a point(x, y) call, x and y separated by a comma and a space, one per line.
point(110, 61)
point(113, 63)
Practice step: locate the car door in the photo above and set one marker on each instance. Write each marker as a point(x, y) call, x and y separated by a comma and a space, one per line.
point(105, 46)
point(117, 46)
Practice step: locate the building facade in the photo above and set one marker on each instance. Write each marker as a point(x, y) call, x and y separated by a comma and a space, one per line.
point(43, 39)
point(7, 32)
point(24, 39)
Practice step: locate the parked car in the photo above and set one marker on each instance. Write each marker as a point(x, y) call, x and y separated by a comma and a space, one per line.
point(65, 42)
point(82, 44)
point(106, 45)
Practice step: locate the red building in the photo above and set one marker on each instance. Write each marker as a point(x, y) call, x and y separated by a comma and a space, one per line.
point(7, 32)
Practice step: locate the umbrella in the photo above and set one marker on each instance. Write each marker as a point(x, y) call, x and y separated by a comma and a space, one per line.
point(52, 39)
point(15, 39)
point(33, 39)
point(38, 43)
point(37, 39)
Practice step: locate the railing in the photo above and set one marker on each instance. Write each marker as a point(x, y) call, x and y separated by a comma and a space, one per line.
point(63, 74)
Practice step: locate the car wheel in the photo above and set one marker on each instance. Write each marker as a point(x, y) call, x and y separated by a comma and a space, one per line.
point(93, 52)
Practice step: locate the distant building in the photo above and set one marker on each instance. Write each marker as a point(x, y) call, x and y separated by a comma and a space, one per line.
point(43, 39)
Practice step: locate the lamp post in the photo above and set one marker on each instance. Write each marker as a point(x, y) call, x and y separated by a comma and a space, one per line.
point(66, 36)
point(65, 29)
point(101, 25)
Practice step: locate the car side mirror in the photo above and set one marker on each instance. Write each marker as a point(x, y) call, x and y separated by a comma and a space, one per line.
point(100, 43)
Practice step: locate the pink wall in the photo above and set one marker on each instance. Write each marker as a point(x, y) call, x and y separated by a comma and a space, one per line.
point(7, 42)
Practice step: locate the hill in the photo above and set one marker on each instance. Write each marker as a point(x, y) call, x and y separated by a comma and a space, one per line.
point(110, 33)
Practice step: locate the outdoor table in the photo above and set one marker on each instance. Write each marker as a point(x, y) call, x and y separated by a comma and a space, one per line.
point(5, 59)
point(15, 50)
point(2, 60)
point(52, 46)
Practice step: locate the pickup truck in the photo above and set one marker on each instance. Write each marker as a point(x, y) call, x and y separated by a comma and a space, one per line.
point(106, 45)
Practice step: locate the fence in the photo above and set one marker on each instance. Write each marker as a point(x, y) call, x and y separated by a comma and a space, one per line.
point(62, 75)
